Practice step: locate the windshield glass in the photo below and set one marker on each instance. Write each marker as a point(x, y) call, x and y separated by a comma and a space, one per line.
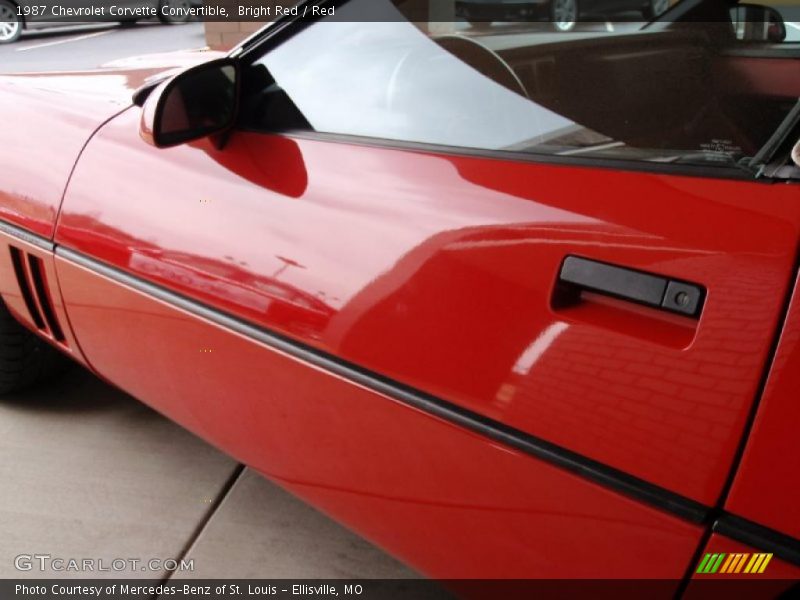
point(679, 94)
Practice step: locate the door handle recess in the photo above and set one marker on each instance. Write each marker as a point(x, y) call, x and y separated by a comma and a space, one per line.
point(636, 286)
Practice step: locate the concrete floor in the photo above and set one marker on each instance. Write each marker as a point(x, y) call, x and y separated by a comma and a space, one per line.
point(89, 472)
point(90, 46)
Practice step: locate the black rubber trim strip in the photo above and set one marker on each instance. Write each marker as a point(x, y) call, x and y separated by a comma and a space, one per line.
point(27, 236)
point(568, 460)
point(759, 537)
point(721, 171)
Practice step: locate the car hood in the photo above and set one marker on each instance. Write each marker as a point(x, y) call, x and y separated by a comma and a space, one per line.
point(48, 118)
point(99, 93)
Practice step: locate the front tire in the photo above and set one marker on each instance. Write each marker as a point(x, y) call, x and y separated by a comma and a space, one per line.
point(563, 15)
point(173, 18)
point(25, 360)
point(10, 23)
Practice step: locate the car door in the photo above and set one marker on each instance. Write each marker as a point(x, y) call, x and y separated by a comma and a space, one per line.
point(373, 294)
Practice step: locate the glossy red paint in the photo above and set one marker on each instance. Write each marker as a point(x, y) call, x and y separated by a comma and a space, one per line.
point(11, 293)
point(451, 503)
point(439, 271)
point(47, 138)
point(54, 116)
point(767, 487)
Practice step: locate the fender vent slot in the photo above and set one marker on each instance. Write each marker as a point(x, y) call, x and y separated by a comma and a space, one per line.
point(33, 286)
point(25, 288)
point(40, 285)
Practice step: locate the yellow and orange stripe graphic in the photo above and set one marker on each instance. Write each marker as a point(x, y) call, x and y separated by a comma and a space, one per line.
point(736, 562)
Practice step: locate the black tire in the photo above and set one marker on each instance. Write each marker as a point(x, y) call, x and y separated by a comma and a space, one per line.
point(559, 9)
point(11, 23)
point(173, 20)
point(129, 23)
point(25, 360)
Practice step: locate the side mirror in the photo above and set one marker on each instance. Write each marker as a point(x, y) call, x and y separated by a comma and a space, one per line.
point(756, 23)
point(196, 103)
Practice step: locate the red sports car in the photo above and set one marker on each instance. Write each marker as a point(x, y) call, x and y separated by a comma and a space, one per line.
point(515, 306)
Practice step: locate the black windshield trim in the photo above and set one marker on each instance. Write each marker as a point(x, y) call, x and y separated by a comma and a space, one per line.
point(716, 171)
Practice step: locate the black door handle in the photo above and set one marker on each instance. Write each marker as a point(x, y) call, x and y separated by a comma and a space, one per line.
point(628, 284)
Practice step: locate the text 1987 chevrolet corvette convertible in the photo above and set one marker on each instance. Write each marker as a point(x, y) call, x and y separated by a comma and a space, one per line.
point(520, 306)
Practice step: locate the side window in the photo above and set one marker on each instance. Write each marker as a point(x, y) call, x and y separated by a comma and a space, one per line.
point(635, 95)
point(388, 80)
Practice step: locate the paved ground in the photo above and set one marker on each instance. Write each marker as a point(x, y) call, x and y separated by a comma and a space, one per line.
point(85, 47)
point(88, 472)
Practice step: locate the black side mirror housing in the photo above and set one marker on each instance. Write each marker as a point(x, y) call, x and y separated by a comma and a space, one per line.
point(196, 103)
